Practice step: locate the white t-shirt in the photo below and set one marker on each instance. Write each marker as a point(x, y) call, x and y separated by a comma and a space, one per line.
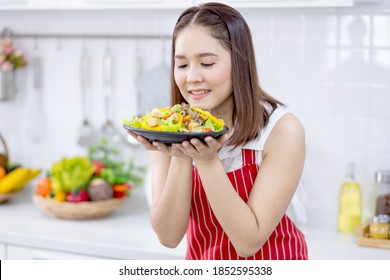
point(232, 160)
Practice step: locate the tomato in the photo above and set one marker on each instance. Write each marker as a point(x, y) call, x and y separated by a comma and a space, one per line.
point(118, 194)
point(98, 165)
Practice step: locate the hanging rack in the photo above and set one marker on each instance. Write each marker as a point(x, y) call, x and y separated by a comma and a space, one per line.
point(9, 33)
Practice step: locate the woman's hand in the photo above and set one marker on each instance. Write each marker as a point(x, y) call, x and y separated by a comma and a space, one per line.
point(172, 150)
point(199, 151)
point(147, 145)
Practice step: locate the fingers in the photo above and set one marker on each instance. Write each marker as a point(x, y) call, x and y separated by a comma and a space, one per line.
point(196, 148)
point(193, 148)
point(175, 150)
point(223, 138)
point(133, 134)
point(161, 147)
point(147, 145)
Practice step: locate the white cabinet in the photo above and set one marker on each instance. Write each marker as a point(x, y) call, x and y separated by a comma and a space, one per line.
point(30, 253)
point(28, 4)
point(284, 3)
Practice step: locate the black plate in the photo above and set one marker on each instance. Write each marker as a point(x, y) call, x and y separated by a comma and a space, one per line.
point(173, 137)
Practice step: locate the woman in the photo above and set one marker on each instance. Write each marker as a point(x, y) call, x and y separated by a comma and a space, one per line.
point(234, 197)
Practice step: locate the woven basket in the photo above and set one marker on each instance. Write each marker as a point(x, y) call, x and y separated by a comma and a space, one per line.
point(79, 210)
point(4, 197)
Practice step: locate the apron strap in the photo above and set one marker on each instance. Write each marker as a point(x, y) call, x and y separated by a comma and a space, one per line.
point(248, 157)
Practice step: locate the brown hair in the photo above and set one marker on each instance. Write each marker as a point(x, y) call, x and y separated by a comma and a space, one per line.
point(230, 28)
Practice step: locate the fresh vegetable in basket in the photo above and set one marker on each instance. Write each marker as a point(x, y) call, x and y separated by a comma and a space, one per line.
point(70, 174)
point(99, 176)
point(112, 169)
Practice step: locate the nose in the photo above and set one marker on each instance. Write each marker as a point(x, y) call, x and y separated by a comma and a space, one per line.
point(194, 75)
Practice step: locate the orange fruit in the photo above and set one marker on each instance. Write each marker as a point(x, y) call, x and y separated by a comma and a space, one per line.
point(3, 172)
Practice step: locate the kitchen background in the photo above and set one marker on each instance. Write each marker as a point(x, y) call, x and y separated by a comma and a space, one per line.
point(331, 65)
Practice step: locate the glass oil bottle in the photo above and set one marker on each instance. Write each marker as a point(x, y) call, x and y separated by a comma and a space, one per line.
point(350, 203)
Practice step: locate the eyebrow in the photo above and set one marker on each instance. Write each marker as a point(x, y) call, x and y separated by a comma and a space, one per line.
point(179, 56)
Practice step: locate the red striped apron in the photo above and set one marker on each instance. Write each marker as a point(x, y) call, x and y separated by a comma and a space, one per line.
point(206, 238)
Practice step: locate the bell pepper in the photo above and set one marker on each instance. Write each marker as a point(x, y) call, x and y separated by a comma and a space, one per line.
point(59, 196)
point(121, 187)
point(187, 118)
point(43, 187)
point(218, 123)
point(162, 126)
point(120, 190)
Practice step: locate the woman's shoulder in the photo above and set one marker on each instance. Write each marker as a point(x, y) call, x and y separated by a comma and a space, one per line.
point(289, 123)
point(283, 118)
point(288, 130)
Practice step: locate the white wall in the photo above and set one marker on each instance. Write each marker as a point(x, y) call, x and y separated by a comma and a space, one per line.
point(332, 66)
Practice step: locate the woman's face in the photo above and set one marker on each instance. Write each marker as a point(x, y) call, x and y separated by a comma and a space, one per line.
point(203, 70)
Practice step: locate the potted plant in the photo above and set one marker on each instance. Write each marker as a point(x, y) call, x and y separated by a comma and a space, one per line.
point(11, 59)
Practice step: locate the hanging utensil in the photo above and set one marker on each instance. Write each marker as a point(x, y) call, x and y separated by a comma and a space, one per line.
point(108, 126)
point(36, 120)
point(108, 129)
point(138, 74)
point(87, 133)
point(138, 69)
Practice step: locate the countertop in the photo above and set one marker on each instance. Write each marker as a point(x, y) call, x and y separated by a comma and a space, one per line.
point(127, 234)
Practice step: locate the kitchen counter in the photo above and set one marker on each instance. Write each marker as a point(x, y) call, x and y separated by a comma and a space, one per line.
point(330, 245)
point(127, 234)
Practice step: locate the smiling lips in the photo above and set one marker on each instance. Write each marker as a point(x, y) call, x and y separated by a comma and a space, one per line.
point(199, 93)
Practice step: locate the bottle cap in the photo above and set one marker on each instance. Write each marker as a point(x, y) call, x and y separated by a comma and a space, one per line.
point(382, 176)
point(381, 219)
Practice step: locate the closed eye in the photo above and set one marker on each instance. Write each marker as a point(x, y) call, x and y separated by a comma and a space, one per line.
point(182, 66)
point(207, 64)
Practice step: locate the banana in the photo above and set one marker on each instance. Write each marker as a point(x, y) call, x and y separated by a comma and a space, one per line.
point(31, 175)
point(12, 179)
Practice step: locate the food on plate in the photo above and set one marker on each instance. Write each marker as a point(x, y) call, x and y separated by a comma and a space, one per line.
point(178, 118)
